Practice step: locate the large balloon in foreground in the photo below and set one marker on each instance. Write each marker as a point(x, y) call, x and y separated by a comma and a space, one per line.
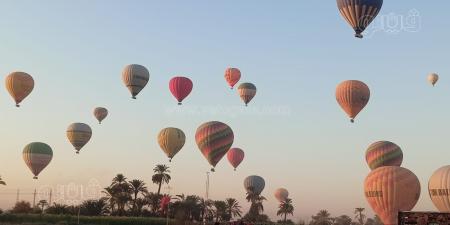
point(79, 135)
point(135, 77)
point(214, 139)
point(254, 184)
point(383, 153)
point(37, 156)
point(352, 96)
point(100, 114)
point(247, 91)
point(180, 87)
point(439, 189)
point(235, 157)
point(390, 189)
point(232, 76)
point(359, 13)
point(433, 79)
point(171, 140)
point(19, 85)
point(281, 194)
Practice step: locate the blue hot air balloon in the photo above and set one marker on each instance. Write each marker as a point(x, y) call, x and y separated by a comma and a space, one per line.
point(359, 13)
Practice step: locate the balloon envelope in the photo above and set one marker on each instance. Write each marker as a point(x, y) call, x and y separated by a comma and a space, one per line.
point(37, 156)
point(281, 194)
point(171, 140)
point(390, 189)
point(359, 13)
point(433, 78)
point(135, 77)
point(439, 189)
point(19, 85)
point(254, 184)
point(232, 76)
point(383, 153)
point(100, 114)
point(180, 87)
point(79, 135)
point(352, 96)
point(247, 91)
point(235, 157)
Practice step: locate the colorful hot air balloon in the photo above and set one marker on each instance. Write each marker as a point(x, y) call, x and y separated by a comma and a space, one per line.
point(281, 194)
point(247, 91)
point(390, 189)
point(232, 76)
point(135, 77)
point(37, 156)
point(254, 184)
point(359, 13)
point(79, 134)
point(100, 113)
point(235, 157)
point(19, 85)
point(352, 96)
point(439, 189)
point(433, 79)
point(180, 88)
point(214, 139)
point(171, 140)
point(383, 153)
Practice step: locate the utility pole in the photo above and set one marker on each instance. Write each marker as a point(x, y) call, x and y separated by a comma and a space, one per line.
point(50, 198)
point(205, 213)
point(18, 193)
point(34, 198)
point(168, 205)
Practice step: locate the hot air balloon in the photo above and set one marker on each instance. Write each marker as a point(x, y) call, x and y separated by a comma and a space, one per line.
point(439, 189)
point(79, 134)
point(235, 157)
point(135, 77)
point(390, 189)
point(214, 139)
point(100, 113)
point(359, 13)
point(352, 96)
point(254, 184)
point(19, 86)
point(37, 156)
point(383, 153)
point(232, 76)
point(433, 78)
point(180, 88)
point(281, 194)
point(171, 140)
point(247, 91)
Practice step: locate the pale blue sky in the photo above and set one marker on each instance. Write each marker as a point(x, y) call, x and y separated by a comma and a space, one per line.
point(294, 133)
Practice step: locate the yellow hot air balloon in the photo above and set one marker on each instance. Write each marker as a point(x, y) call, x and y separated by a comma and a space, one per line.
point(171, 140)
point(19, 85)
point(433, 78)
point(390, 189)
point(100, 113)
point(135, 77)
point(79, 135)
point(439, 189)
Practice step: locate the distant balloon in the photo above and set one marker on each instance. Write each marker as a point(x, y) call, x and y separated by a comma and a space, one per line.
point(135, 77)
point(247, 91)
point(232, 76)
point(100, 114)
point(171, 140)
point(390, 189)
point(37, 156)
point(433, 79)
point(383, 153)
point(180, 87)
point(79, 135)
point(352, 96)
point(281, 194)
point(254, 184)
point(359, 13)
point(438, 188)
point(235, 157)
point(19, 86)
point(214, 139)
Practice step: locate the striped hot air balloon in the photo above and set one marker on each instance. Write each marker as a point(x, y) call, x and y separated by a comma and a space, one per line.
point(232, 76)
point(433, 78)
point(352, 96)
point(180, 87)
point(135, 77)
point(439, 189)
point(171, 140)
point(359, 13)
point(281, 194)
point(37, 156)
point(254, 184)
point(19, 85)
point(214, 139)
point(247, 91)
point(390, 189)
point(100, 114)
point(235, 157)
point(79, 135)
point(383, 153)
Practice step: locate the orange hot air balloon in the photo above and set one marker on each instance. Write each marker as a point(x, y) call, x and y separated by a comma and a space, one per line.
point(232, 76)
point(100, 114)
point(390, 189)
point(19, 85)
point(352, 96)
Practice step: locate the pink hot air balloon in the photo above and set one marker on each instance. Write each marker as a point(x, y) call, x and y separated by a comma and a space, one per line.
point(232, 76)
point(180, 88)
point(235, 157)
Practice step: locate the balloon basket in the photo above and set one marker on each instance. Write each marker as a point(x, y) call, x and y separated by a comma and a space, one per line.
point(35, 177)
point(352, 120)
point(359, 36)
point(17, 105)
point(179, 103)
point(213, 170)
point(133, 97)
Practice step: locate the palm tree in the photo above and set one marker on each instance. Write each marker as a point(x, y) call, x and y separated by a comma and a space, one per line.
point(137, 186)
point(161, 176)
point(233, 207)
point(286, 208)
point(1, 181)
point(94, 207)
point(321, 218)
point(205, 209)
point(110, 197)
point(153, 200)
point(256, 206)
point(42, 204)
point(360, 216)
point(57, 209)
point(220, 210)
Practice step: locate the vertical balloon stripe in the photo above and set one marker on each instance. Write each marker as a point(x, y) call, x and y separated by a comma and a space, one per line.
point(359, 13)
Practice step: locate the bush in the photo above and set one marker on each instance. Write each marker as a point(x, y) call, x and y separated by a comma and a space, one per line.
point(22, 207)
